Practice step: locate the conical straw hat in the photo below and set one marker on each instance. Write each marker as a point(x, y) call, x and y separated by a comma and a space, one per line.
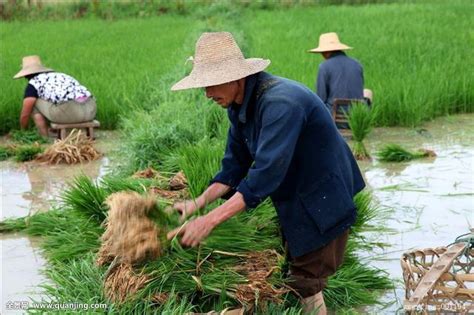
point(31, 65)
point(219, 60)
point(329, 42)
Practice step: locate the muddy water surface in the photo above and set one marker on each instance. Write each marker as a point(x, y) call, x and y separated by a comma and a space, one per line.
point(26, 188)
point(431, 200)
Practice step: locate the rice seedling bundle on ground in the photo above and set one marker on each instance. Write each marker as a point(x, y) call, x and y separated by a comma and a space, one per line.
point(21, 153)
point(360, 120)
point(396, 153)
point(130, 238)
point(27, 152)
point(75, 148)
point(26, 137)
point(5, 153)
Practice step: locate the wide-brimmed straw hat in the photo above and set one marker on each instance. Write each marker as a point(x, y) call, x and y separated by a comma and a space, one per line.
point(329, 42)
point(218, 60)
point(31, 65)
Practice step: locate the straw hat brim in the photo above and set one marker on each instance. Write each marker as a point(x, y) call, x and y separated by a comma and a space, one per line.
point(334, 47)
point(209, 77)
point(31, 70)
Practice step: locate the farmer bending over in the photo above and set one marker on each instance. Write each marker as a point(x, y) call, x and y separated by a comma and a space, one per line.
point(339, 76)
point(53, 96)
point(282, 143)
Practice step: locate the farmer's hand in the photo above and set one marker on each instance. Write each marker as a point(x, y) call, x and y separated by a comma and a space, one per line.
point(185, 208)
point(193, 232)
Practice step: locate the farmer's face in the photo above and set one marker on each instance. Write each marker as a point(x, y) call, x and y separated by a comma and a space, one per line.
point(225, 94)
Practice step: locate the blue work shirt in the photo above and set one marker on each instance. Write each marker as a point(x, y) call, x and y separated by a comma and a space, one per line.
point(340, 77)
point(283, 144)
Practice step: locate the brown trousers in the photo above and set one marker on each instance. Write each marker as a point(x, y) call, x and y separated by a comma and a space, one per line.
point(308, 274)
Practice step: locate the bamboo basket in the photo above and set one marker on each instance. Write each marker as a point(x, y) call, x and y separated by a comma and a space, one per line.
point(439, 280)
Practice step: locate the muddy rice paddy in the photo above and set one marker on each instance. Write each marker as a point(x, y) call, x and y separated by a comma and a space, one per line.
point(430, 201)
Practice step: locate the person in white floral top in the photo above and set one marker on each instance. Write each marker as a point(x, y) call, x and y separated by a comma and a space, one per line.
point(53, 96)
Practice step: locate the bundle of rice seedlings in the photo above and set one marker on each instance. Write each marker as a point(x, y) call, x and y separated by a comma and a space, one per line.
point(75, 148)
point(27, 152)
point(360, 120)
point(396, 153)
point(27, 136)
point(86, 197)
point(122, 282)
point(130, 235)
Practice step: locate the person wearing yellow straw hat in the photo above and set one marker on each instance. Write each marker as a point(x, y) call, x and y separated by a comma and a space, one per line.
point(282, 144)
point(53, 96)
point(339, 76)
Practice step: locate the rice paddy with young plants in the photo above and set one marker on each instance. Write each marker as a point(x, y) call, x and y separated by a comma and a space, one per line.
point(184, 131)
point(416, 73)
point(121, 69)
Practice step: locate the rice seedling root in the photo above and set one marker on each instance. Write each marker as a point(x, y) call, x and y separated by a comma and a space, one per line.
point(75, 148)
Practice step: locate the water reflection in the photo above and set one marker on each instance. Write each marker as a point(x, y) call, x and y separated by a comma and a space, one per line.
point(20, 272)
point(31, 187)
point(432, 200)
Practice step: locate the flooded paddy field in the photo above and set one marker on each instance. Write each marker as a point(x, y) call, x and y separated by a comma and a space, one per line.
point(25, 189)
point(430, 201)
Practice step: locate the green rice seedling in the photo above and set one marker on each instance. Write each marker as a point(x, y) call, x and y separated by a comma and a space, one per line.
point(200, 162)
point(5, 153)
point(355, 284)
point(75, 280)
point(217, 123)
point(396, 153)
point(12, 225)
point(86, 197)
point(27, 136)
point(27, 152)
point(360, 121)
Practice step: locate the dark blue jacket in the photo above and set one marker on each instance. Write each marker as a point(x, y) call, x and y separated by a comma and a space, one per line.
point(283, 143)
point(340, 77)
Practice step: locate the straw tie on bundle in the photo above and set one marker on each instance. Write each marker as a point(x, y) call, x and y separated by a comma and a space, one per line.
point(75, 148)
point(131, 237)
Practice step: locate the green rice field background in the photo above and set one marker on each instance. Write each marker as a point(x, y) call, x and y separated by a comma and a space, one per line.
point(416, 57)
point(414, 54)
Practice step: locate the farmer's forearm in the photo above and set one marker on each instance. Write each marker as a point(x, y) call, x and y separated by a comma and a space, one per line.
point(230, 208)
point(212, 193)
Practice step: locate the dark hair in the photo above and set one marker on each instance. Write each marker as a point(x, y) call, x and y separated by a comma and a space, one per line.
point(31, 76)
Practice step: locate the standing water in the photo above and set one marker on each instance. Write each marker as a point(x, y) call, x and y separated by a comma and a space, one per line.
point(25, 189)
point(431, 200)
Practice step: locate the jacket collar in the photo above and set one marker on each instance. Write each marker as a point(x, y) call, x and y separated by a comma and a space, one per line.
point(250, 84)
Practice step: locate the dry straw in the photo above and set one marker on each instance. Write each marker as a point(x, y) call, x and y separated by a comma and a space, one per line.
point(130, 237)
point(75, 148)
point(122, 282)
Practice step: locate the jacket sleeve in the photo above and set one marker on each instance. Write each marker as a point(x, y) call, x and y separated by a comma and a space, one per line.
point(236, 161)
point(322, 85)
point(281, 125)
